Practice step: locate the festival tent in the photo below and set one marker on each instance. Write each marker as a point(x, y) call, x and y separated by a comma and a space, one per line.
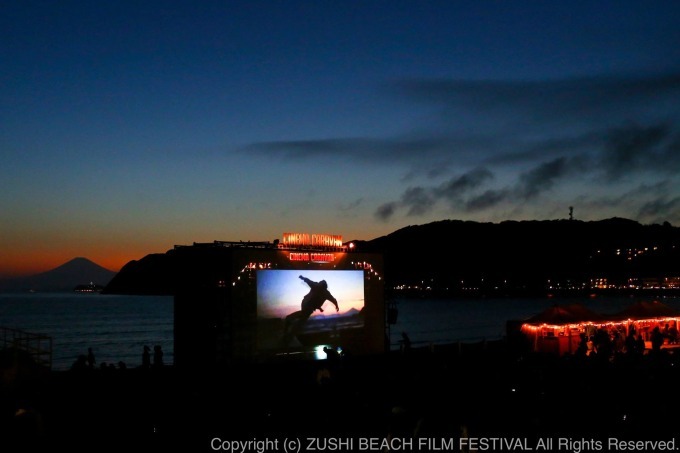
point(647, 310)
point(558, 315)
point(558, 329)
point(644, 316)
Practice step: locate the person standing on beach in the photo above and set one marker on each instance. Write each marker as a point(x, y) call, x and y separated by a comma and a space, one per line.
point(157, 356)
point(146, 357)
point(657, 339)
point(90, 358)
point(406, 342)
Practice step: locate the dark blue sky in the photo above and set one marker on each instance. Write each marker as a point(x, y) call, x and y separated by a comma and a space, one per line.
point(128, 127)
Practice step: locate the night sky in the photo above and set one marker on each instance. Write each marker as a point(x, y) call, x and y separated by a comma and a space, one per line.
point(129, 127)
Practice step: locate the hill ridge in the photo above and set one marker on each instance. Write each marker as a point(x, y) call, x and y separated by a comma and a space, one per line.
point(455, 255)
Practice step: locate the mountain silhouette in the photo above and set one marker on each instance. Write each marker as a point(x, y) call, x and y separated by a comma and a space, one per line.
point(456, 255)
point(452, 254)
point(151, 275)
point(66, 277)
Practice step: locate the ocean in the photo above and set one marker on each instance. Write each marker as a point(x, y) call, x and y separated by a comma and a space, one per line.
point(441, 321)
point(117, 327)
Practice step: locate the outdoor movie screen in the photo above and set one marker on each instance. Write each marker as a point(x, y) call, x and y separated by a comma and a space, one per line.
point(301, 309)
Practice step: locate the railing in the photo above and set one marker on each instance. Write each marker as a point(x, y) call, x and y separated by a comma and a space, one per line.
point(38, 347)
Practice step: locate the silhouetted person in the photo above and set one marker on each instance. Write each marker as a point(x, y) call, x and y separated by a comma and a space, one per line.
point(332, 355)
point(146, 357)
point(631, 343)
point(657, 339)
point(591, 348)
point(582, 348)
point(157, 356)
point(673, 334)
point(640, 344)
point(90, 358)
point(405, 342)
point(313, 300)
point(603, 344)
point(618, 342)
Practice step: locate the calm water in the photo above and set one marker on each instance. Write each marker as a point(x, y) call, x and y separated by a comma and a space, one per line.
point(115, 327)
point(118, 327)
point(471, 320)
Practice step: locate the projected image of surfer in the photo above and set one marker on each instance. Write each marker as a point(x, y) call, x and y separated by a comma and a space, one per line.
point(309, 307)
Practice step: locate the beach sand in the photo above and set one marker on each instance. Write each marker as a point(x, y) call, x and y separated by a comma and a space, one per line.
point(482, 390)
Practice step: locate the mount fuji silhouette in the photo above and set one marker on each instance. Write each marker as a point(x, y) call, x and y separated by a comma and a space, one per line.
point(66, 277)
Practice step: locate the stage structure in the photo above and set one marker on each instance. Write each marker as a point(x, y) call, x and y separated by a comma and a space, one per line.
point(261, 302)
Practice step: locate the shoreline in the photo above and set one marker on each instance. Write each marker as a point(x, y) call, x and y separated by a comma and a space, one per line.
point(535, 294)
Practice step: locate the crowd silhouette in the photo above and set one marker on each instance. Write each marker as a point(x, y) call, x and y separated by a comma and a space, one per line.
point(88, 361)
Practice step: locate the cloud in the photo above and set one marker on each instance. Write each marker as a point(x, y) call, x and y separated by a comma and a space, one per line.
point(488, 199)
point(419, 200)
point(649, 203)
point(529, 185)
point(635, 148)
point(371, 150)
point(636, 195)
point(542, 100)
point(457, 186)
point(540, 148)
point(614, 119)
point(501, 122)
point(543, 177)
point(386, 210)
point(351, 206)
point(511, 141)
point(661, 209)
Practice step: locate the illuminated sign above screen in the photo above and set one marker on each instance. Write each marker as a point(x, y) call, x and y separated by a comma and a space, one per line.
point(314, 257)
point(312, 240)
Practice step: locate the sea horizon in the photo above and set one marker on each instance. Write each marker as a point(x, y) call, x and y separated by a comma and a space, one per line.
point(117, 327)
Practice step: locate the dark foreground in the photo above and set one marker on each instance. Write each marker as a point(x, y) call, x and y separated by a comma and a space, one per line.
point(483, 390)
